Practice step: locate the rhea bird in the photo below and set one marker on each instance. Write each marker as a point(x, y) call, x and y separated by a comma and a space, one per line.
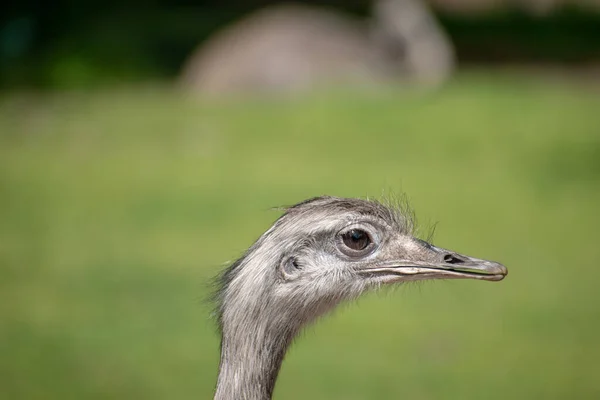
point(288, 48)
point(319, 253)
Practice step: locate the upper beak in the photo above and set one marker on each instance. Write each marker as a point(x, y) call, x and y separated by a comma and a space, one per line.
point(440, 263)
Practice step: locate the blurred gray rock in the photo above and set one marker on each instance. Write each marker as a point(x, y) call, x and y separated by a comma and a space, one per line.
point(291, 47)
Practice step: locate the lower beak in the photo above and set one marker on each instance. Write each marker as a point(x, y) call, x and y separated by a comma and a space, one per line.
point(451, 266)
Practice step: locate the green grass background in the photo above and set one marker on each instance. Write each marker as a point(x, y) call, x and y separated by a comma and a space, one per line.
point(117, 206)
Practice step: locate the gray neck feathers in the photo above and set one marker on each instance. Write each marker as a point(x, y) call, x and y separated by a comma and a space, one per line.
point(257, 327)
point(250, 363)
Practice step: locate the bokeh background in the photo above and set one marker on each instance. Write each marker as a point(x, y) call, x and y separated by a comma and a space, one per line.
point(121, 195)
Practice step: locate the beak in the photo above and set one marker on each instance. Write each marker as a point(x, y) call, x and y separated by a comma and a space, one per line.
point(437, 263)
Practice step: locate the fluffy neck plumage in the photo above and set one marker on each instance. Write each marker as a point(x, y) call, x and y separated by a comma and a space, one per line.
point(257, 328)
point(251, 357)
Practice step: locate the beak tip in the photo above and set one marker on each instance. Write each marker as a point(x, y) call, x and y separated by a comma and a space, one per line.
point(501, 271)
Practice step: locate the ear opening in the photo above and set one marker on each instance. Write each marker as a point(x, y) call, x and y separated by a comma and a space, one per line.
point(290, 268)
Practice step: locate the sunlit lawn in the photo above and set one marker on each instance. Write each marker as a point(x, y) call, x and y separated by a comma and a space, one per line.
point(116, 207)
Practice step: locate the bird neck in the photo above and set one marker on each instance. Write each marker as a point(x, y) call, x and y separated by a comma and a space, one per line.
point(250, 361)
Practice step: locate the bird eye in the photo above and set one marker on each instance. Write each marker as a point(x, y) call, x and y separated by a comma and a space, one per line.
point(356, 239)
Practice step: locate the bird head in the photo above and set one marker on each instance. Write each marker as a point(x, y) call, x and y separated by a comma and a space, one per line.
point(326, 250)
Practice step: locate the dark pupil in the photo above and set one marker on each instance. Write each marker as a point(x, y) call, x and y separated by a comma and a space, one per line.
point(356, 239)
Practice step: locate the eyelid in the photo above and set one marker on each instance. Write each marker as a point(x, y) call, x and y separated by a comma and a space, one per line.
point(368, 227)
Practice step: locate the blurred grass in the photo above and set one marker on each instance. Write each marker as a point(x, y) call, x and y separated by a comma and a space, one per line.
point(117, 206)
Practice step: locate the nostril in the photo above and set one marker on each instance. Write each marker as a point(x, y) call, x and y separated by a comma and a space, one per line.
point(450, 259)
